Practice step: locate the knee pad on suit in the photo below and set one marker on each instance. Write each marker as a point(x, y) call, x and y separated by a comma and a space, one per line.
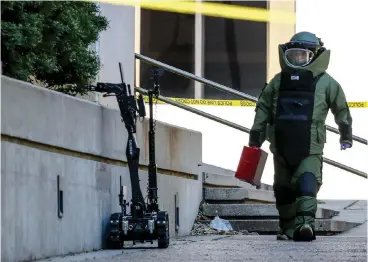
point(307, 185)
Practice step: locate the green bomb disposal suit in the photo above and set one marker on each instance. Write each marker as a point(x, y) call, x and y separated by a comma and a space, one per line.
point(291, 113)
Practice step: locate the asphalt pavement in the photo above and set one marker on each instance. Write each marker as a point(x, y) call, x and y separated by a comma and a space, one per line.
point(235, 248)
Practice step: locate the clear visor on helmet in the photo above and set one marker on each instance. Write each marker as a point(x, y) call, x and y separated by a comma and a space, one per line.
point(298, 57)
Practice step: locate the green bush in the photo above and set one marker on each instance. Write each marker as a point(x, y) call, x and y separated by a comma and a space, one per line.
point(50, 41)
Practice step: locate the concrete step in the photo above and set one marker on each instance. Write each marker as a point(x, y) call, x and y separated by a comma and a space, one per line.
point(223, 181)
point(238, 194)
point(207, 168)
point(323, 226)
point(253, 210)
point(228, 181)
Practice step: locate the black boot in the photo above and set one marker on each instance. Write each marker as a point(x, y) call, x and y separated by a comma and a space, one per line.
point(304, 233)
point(283, 236)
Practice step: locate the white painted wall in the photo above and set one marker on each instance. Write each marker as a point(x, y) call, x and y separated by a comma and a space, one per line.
point(341, 25)
point(341, 28)
point(116, 44)
point(347, 64)
point(222, 145)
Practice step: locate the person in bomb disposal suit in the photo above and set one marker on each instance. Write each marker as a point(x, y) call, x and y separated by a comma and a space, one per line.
point(291, 113)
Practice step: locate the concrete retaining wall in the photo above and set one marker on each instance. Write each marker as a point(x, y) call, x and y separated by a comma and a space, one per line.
point(46, 134)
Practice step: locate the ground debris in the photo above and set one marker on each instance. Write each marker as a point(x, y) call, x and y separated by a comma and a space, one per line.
point(203, 229)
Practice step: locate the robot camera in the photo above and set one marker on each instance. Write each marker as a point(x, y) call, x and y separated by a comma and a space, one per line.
point(157, 71)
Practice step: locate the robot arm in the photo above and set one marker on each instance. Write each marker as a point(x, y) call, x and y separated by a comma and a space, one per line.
point(128, 111)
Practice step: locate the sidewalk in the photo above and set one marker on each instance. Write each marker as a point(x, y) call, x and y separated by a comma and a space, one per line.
point(236, 248)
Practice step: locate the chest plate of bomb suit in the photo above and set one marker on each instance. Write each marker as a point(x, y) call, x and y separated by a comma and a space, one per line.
point(294, 113)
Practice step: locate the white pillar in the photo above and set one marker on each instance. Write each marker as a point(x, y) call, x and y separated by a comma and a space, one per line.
point(198, 53)
point(117, 44)
point(277, 33)
point(97, 50)
point(137, 42)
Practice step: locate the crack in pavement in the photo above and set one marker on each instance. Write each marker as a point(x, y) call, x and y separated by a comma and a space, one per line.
point(219, 238)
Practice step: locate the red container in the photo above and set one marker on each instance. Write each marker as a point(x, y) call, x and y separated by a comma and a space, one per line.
point(251, 165)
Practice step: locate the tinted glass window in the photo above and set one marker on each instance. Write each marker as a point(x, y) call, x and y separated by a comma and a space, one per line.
point(168, 38)
point(235, 53)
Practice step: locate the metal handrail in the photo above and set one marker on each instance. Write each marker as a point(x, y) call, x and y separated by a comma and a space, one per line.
point(223, 88)
point(241, 128)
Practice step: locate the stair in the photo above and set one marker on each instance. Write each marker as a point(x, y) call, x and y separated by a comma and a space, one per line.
point(254, 210)
point(228, 181)
point(238, 195)
point(230, 211)
point(271, 226)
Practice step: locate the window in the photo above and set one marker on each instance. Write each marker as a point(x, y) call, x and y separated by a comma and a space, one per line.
point(169, 38)
point(235, 53)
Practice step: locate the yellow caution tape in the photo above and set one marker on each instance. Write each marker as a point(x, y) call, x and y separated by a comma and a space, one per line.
point(358, 104)
point(211, 9)
point(241, 103)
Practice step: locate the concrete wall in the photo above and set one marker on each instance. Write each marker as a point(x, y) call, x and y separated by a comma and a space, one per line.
point(45, 134)
point(347, 65)
point(222, 146)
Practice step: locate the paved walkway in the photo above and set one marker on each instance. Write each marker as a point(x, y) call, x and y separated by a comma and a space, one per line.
point(236, 248)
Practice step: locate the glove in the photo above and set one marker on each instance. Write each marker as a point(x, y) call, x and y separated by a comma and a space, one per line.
point(345, 146)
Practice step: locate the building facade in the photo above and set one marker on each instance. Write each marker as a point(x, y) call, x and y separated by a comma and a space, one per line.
point(236, 53)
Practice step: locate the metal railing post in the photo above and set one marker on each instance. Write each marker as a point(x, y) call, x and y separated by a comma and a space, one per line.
point(241, 128)
point(222, 88)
